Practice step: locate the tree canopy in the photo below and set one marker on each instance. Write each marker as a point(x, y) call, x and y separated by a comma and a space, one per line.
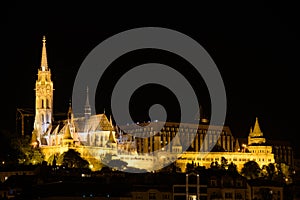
point(251, 170)
point(72, 159)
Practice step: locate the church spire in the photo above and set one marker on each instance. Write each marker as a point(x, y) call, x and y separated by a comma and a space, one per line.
point(256, 129)
point(110, 121)
point(87, 107)
point(111, 142)
point(44, 63)
point(237, 145)
point(70, 112)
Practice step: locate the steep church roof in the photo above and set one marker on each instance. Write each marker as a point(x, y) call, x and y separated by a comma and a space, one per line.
point(93, 123)
point(176, 141)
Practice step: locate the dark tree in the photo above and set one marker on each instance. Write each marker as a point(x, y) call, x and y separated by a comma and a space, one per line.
point(72, 159)
point(271, 169)
point(24, 152)
point(251, 170)
point(215, 165)
point(232, 168)
point(224, 163)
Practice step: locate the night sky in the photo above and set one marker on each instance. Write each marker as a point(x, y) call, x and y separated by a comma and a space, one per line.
point(255, 47)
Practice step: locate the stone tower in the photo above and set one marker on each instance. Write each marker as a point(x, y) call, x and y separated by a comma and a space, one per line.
point(256, 135)
point(43, 98)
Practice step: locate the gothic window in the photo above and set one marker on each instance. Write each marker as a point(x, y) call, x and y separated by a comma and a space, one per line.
point(42, 103)
point(47, 103)
point(42, 117)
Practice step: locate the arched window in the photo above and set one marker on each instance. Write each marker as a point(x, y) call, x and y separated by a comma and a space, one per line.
point(42, 117)
point(47, 103)
point(42, 103)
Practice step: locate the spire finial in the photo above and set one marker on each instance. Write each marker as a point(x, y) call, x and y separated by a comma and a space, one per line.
point(87, 102)
point(44, 63)
point(70, 111)
point(87, 107)
point(70, 106)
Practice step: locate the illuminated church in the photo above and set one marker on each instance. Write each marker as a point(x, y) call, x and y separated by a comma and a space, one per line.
point(94, 136)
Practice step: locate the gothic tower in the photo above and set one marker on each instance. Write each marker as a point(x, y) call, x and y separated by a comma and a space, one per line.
point(256, 135)
point(43, 97)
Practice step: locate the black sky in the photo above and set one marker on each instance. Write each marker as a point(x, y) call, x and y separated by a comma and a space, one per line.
point(254, 45)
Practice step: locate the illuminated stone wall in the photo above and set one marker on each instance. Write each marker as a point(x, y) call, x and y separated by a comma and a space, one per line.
point(238, 158)
point(92, 154)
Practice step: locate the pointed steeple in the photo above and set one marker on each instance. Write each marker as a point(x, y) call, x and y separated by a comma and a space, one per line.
point(237, 145)
point(44, 63)
point(67, 133)
point(111, 142)
point(176, 144)
point(256, 130)
point(70, 112)
point(87, 107)
point(111, 138)
point(176, 141)
point(110, 121)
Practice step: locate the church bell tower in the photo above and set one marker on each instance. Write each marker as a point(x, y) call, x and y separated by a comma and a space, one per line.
point(43, 97)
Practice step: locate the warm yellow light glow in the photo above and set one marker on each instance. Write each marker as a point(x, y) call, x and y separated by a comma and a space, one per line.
point(34, 144)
